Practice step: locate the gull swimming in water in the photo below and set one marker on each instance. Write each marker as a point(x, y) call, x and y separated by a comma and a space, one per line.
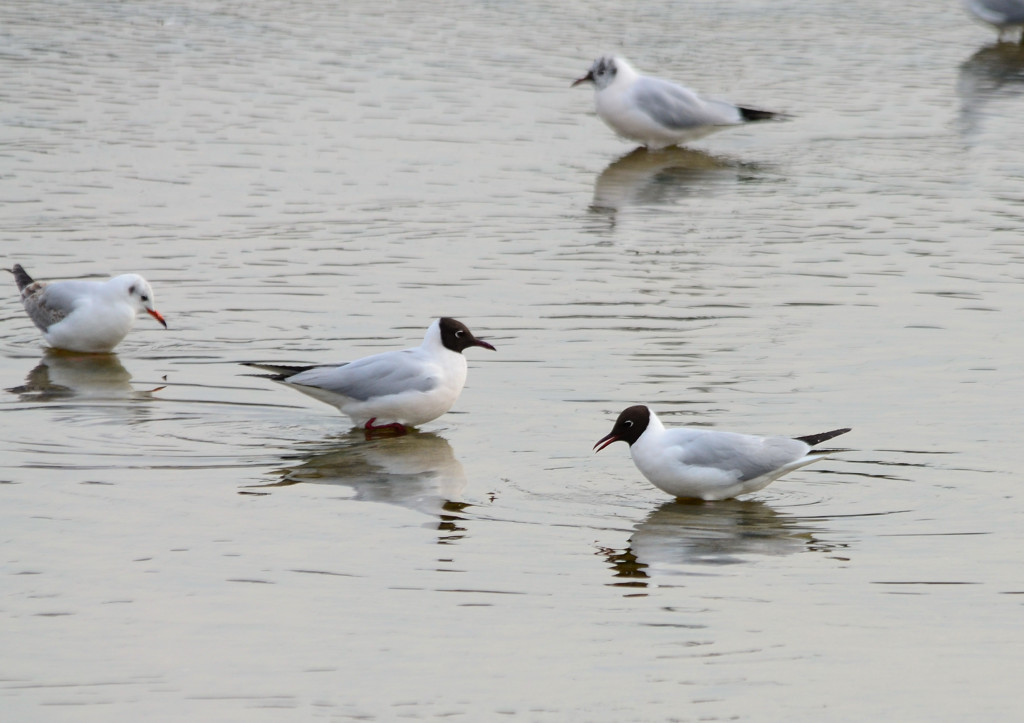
point(393, 389)
point(707, 464)
point(656, 112)
point(85, 316)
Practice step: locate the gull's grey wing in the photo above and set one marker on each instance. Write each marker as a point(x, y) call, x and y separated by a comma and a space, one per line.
point(48, 303)
point(379, 375)
point(679, 108)
point(746, 455)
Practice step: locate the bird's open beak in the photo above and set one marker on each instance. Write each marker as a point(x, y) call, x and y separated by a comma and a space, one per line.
point(584, 79)
point(156, 315)
point(605, 441)
point(484, 344)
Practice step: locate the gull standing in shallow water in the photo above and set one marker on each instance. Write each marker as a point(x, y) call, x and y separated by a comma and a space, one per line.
point(706, 464)
point(393, 389)
point(1003, 15)
point(656, 112)
point(85, 316)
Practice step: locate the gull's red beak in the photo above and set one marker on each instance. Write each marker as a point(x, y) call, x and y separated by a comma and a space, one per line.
point(156, 315)
point(584, 79)
point(605, 441)
point(484, 344)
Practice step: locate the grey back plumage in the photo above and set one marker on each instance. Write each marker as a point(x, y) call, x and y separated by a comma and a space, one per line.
point(678, 108)
point(373, 376)
point(749, 456)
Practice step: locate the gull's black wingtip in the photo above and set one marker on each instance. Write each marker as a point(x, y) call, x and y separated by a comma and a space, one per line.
point(756, 114)
point(813, 439)
point(278, 372)
point(21, 276)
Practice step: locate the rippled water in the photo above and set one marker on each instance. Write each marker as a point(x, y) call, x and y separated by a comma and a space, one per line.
point(315, 181)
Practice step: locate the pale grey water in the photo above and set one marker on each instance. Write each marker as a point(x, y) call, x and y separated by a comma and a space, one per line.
point(314, 181)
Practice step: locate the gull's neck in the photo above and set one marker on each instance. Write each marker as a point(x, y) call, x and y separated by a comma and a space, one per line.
point(432, 339)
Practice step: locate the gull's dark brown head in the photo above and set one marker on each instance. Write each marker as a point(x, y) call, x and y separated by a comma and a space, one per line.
point(632, 422)
point(456, 336)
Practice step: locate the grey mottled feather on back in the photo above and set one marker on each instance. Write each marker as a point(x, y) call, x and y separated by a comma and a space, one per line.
point(48, 303)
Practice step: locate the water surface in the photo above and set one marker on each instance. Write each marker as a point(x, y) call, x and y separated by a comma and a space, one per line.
point(313, 181)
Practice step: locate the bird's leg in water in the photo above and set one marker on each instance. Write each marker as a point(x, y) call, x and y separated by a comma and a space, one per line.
point(395, 429)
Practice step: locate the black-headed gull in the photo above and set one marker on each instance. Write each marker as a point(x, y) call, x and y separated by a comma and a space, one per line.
point(656, 112)
point(85, 316)
point(393, 389)
point(706, 464)
point(1004, 15)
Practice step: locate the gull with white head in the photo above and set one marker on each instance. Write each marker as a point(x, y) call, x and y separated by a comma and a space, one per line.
point(656, 112)
point(85, 316)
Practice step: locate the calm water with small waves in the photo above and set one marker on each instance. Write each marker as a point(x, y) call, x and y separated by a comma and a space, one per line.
point(315, 181)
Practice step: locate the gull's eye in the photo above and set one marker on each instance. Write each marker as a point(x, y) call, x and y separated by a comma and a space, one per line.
point(145, 298)
point(628, 423)
point(458, 333)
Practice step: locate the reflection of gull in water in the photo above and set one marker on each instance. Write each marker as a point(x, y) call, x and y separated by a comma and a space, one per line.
point(711, 533)
point(61, 374)
point(417, 470)
point(658, 177)
point(994, 71)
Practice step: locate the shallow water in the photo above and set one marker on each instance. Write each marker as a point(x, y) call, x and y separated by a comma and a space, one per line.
point(310, 182)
